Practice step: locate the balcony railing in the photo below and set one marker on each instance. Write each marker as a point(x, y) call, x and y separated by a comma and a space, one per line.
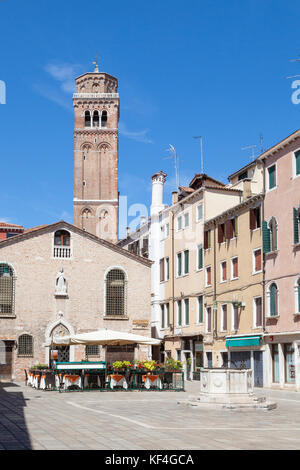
point(62, 252)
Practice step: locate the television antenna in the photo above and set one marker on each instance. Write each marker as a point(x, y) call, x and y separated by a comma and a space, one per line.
point(250, 147)
point(201, 147)
point(174, 155)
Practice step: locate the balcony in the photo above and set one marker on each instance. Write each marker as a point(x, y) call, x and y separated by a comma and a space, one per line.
point(62, 252)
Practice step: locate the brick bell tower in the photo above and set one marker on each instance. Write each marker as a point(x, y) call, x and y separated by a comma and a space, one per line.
point(97, 112)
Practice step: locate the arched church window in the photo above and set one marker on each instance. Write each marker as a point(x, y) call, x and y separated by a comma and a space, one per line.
point(62, 238)
point(104, 119)
point(86, 213)
point(25, 345)
point(62, 243)
point(7, 286)
point(115, 292)
point(96, 119)
point(87, 119)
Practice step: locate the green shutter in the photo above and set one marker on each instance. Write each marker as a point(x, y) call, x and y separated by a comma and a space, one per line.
point(266, 238)
point(186, 262)
point(179, 313)
point(187, 311)
point(272, 176)
point(179, 264)
point(296, 227)
point(200, 257)
point(200, 307)
point(297, 157)
point(273, 293)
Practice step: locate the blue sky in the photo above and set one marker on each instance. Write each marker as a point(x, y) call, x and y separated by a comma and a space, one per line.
point(211, 68)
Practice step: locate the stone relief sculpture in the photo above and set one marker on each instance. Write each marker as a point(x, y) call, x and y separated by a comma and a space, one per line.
point(61, 284)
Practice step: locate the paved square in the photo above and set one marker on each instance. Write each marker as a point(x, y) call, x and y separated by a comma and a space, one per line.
point(33, 419)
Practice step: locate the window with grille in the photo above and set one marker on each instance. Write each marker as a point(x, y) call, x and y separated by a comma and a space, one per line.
point(93, 350)
point(7, 284)
point(25, 345)
point(115, 292)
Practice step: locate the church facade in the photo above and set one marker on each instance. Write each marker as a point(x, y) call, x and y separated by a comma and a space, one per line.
point(61, 280)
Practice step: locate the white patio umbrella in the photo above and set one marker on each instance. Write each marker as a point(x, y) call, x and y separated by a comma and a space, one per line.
point(104, 337)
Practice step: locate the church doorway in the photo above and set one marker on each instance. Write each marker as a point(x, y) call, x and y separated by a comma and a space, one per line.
point(60, 353)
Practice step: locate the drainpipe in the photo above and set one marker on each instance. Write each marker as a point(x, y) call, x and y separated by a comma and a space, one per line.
point(173, 271)
point(215, 307)
point(264, 270)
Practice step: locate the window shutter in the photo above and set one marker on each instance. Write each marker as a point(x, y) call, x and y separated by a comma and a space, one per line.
point(162, 316)
point(252, 219)
point(229, 229)
point(200, 307)
point(186, 261)
point(298, 298)
point(257, 256)
point(200, 257)
point(179, 264)
point(258, 306)
point(205, 240)
point(187, 311)
point(224, 274)
point(162, 270)
point(272, 177)
point(297, 157)
point(266, 238)
point(273, 300)
point(220, 233)
point(296, 226)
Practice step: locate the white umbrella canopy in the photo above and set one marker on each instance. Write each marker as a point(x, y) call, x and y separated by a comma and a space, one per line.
point(104, 337)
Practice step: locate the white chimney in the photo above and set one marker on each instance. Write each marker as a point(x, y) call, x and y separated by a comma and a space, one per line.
point(158, 181)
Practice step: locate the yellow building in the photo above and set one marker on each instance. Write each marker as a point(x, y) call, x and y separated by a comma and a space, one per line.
point(233, 272)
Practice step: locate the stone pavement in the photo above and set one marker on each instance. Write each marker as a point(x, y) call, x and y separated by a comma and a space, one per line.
point(33, 419)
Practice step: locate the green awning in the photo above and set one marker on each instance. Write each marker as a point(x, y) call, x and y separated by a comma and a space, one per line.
point(242, 341)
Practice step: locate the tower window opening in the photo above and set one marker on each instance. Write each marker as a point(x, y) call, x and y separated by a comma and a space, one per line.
point(96, 119)
point(104, 119)
point(87, 119)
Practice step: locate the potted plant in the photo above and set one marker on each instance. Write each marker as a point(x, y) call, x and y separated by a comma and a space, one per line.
point(173, 365)
point(150, 366)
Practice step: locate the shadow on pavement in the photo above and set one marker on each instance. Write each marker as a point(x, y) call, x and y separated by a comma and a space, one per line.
point(13, 429)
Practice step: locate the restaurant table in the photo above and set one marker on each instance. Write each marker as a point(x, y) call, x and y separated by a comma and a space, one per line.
point(118, 380)
point(72, 380)
point(152, 381)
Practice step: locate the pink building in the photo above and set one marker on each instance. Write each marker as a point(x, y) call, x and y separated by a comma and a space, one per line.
point(281, 236)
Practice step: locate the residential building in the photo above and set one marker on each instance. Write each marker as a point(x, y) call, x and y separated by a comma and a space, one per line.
point(9, 230)
point(282, 262)
point(175, 235)
point(233, 308)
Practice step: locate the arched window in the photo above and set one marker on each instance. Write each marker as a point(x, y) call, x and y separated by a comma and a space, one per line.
point(273, 305)
point(273, 234)
point(104, 119)
point(115, 292)
point(7, 285)
point(96, 119)
point(62, 242)
point(25, 345)
point(87, 119)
